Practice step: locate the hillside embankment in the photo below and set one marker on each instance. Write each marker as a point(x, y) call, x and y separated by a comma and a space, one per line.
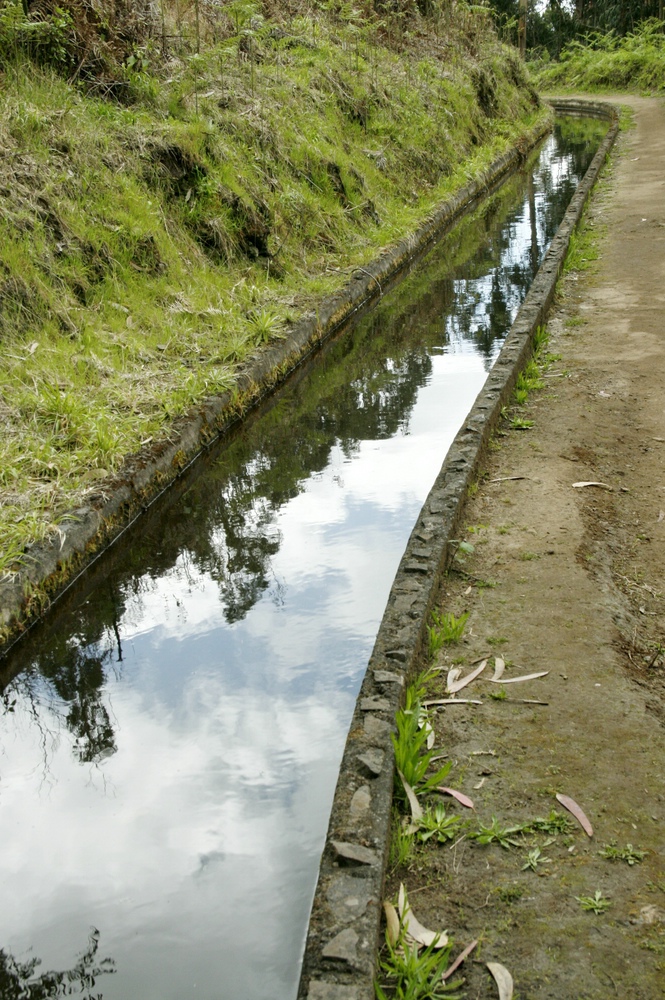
point(565, 577)
point(160, 234)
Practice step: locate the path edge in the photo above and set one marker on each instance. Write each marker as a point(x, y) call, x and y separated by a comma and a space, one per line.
point(343, 937)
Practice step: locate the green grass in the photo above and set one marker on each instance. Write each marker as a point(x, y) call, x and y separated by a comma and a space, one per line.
point(412, 758)
point(583, 249)
point(631, 855)
point(446, 630)
point(148, 249)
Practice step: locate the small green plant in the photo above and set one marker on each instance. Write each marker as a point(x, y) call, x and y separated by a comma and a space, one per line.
point(535, 858)
point(451, 629)
point(463, 549)
point(436, 823)
point(401, 843)
point(553, 824)
point(412, 758)
point(496, 640)
point(520, 424)
point(499, 695)
point(436, 640)
point(411, 973)
point(509, 893)
point(631, 855)
point(264, 325)
point(528, 556)
point(497, 834)
point(594, 904)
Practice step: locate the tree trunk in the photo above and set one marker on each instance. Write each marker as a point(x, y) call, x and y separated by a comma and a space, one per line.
point(521, 34)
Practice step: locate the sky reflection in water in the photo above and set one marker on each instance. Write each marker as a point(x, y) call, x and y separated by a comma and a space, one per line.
point(168, 756)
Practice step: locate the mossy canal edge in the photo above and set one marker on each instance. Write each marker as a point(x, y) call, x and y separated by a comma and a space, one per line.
point(344, 932)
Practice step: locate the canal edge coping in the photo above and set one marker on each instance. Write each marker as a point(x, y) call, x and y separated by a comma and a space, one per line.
point(344, 937)
point(54, 565)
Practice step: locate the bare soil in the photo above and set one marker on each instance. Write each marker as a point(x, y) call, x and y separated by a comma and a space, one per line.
point(578, 589)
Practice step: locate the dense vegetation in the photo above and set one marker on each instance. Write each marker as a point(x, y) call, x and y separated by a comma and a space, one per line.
point(553, 24)
point(176, 185)
point(609, 62)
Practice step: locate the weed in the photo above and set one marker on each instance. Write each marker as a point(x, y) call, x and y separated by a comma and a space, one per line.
point(450, 628)
point(436, 823)
point(535, 858)
point(484, 584)
point(528, 556)
point(496, 640)
point(519, 424)
point(264, 325)
point(499, 695)
point(401, 843)
point(435, 640)
point(497, 834)
point(474, 529)
point(412, 757)
point(631, 855)
point(509, 893)
point(594, 904)
point(409, 973)
point(554, 824)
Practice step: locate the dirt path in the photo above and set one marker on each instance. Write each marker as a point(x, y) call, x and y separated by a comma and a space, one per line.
point(578, 589)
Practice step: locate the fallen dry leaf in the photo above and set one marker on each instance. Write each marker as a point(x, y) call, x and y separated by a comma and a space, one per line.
point(414, 928)
point(453, 674)
point(499, 667)
point(416, 808)
point(573, 808)
point(451, 701)
point(460, 796)
point(604, 486)
point(522, 677)
point(457, 685)
point(480, 784)
point(458, 961)
point(392, 924)
point(507, 479)
point(503, 980)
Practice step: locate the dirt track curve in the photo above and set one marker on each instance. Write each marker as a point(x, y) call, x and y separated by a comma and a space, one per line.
point(578, 589)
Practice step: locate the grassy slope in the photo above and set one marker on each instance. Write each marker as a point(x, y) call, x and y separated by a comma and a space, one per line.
point(609, 63)
point(146, 250)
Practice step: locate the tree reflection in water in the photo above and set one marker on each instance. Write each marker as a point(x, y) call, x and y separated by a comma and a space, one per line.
point(18, 980)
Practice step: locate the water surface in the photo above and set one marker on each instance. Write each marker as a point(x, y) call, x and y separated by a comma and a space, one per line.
point(171, 736)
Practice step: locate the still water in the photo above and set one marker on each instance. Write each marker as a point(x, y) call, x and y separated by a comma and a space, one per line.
point(169, 741)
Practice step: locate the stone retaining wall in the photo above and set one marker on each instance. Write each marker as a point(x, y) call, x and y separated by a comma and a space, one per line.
point(344, 933)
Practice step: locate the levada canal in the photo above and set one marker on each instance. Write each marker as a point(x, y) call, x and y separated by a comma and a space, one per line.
point(170, 738)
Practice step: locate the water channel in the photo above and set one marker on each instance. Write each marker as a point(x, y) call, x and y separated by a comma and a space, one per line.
point(170, 736)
